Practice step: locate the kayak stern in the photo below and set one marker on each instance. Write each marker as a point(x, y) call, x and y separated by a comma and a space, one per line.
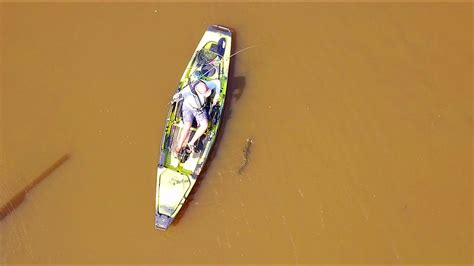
point(162, 221)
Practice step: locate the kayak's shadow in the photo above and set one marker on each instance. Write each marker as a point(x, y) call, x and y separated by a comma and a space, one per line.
point(235, 90)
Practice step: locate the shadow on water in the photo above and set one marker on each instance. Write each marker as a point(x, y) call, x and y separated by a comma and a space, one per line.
point(235, 89)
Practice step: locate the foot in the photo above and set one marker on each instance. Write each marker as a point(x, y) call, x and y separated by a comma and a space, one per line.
point(175, 152)
point(192, 147)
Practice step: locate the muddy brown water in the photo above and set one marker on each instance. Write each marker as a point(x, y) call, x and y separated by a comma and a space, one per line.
point(360, 115)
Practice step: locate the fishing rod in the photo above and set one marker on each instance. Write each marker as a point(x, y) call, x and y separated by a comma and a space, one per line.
point(212, 61)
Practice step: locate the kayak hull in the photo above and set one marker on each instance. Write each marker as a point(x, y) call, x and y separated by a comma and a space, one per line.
point(177, 176)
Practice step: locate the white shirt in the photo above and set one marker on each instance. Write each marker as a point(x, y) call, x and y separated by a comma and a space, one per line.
point(188, 96)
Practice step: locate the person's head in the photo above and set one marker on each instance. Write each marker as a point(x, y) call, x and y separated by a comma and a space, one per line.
point(202, 89)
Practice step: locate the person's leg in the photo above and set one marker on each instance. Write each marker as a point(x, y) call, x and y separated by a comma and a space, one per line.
point(183, 135)
point(188, 117)
point(203, 121)
point(201, 129)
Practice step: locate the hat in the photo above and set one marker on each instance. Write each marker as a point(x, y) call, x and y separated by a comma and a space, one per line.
point(202, 89)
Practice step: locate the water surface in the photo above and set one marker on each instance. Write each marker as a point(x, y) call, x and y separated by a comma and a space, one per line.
point(361, 116)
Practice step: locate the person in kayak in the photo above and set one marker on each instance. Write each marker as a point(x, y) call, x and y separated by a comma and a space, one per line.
point(194, 97)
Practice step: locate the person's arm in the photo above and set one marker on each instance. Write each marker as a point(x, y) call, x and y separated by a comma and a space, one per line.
point(180, 95)
point(177, 97)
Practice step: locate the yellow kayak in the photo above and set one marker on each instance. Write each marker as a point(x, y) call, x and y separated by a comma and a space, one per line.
point(176, 175)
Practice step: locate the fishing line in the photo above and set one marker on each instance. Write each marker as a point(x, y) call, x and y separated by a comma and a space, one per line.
point(241, 50)
point(215, 67)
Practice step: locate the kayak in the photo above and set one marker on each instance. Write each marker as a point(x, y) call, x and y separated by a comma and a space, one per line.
point(177, 174)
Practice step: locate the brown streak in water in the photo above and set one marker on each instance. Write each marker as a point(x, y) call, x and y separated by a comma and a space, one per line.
point(14, 202)
point(246, 152)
